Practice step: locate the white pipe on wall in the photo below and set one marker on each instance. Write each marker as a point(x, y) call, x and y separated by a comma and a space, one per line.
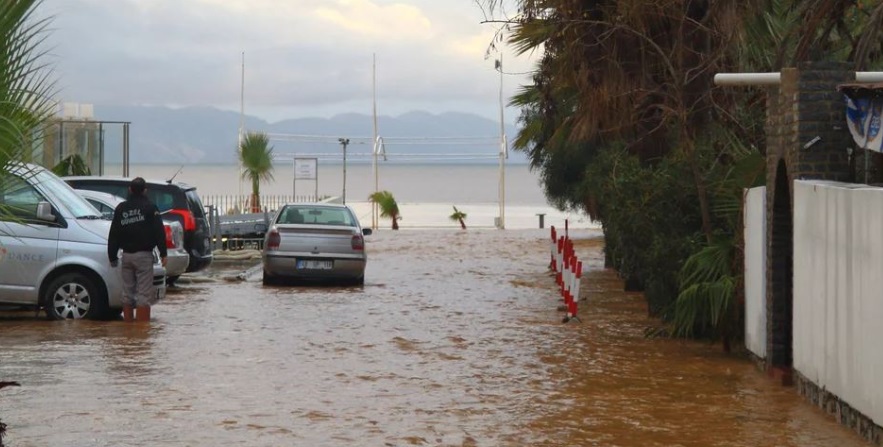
point(747, 78)
point(736, 79)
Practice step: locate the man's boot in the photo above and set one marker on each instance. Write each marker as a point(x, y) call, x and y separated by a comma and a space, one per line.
point(128, 314)
point(143, 313)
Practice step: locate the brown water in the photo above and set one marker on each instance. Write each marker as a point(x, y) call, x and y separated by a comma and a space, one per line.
point(454, 341)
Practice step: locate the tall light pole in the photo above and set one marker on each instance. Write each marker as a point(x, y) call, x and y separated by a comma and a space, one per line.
point(241, 128)
point(344, 142)
point(374, 209)
point(504, 151)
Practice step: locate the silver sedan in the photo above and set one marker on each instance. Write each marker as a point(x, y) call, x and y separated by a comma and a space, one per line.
point(315, 241)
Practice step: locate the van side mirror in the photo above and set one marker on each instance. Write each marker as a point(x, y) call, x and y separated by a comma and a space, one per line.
point(367, 231)
point(44, 212)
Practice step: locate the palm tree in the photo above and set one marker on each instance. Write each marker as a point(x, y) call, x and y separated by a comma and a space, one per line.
point(72, 165)
point(458, 216)
point(26, 86)
point(256, 157)
point(388, 206)
point(26, 91)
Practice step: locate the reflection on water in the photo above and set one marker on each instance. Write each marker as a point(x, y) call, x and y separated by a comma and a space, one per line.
point(453, 341)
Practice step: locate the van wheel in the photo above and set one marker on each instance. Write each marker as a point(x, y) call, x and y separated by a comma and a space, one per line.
point(74, 296)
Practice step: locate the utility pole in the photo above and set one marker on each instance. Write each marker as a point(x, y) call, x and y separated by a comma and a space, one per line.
point(241, 129)
point(344, 142)
point(504, 151)
point(374, 207)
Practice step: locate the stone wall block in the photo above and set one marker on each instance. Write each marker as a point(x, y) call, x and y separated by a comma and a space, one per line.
point(840, 410)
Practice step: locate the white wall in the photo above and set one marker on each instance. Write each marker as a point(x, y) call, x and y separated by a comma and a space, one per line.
point(838, 291)
point(755, 271)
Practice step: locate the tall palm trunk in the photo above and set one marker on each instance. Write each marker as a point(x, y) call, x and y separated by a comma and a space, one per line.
point(255, 195)
point(701, 191)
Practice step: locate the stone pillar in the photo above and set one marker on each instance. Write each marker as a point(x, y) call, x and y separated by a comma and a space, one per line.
point(823, 138)
point(807, 138)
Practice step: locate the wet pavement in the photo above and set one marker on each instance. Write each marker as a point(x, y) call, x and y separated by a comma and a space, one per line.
point(453, 341)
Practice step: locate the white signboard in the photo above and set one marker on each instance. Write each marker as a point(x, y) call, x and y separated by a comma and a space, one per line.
point(306, 168)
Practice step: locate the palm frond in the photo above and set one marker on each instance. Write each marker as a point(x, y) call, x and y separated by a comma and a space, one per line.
point(72, 165)
point(27, 88)
point(869, 48)
point(702, 306)
point(707, 289)
point(457, 215)
point(388, 205)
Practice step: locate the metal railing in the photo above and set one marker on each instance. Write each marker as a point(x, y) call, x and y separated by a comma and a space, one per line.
point(234, 238)
point(236, 204)
point(233, 220)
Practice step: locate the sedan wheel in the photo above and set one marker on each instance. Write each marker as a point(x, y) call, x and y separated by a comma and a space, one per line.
point(73, 296)
point(270, 280)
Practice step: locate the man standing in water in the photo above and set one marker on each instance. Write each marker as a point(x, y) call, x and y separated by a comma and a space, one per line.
point(136, 228)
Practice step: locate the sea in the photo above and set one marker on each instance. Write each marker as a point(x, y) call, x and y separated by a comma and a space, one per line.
point(426, 192)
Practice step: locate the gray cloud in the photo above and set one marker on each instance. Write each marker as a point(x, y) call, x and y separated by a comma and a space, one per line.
point(300, 55)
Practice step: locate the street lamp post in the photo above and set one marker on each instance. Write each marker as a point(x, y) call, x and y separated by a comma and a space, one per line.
point(504, 151)
point(344, 142)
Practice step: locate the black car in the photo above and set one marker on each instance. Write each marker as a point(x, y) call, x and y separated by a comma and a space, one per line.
point(175, 200)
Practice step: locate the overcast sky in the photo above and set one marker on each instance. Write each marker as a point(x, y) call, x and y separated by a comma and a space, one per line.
point(302, 57)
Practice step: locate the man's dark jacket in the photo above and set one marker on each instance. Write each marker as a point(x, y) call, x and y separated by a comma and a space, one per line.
point(136, 226)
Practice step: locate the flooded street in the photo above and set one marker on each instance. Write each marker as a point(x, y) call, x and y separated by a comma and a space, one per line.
point(453, 341)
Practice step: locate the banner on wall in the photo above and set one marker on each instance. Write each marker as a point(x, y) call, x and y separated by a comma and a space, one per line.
point(864, 108)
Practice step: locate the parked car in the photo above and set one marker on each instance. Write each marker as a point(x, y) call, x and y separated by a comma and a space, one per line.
point(176, 201)
point(315, 241)
point(53, 249)
point(177, 258)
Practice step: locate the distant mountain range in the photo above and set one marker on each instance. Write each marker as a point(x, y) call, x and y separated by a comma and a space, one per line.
point(200, 135)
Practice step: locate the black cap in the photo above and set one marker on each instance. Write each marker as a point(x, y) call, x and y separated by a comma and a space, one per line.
point(138, 185)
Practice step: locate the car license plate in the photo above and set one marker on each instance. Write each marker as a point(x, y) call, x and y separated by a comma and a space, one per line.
point(311, 264)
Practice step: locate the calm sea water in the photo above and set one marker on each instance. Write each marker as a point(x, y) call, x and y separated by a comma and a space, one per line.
point(425, 192)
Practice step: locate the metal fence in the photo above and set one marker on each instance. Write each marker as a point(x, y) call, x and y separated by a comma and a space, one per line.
point(236, 204)
point(237, 231)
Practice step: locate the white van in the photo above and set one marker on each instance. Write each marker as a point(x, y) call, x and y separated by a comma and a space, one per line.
point(53, 249)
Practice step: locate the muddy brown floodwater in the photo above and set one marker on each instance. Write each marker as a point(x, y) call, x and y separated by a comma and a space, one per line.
point(453, 341)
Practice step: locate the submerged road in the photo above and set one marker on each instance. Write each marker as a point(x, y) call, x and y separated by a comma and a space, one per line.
point(453, 341)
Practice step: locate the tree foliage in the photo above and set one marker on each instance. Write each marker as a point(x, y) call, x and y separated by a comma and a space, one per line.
point(26, 91)
point(26, 85)
point(623, 122)
point(72, 165)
